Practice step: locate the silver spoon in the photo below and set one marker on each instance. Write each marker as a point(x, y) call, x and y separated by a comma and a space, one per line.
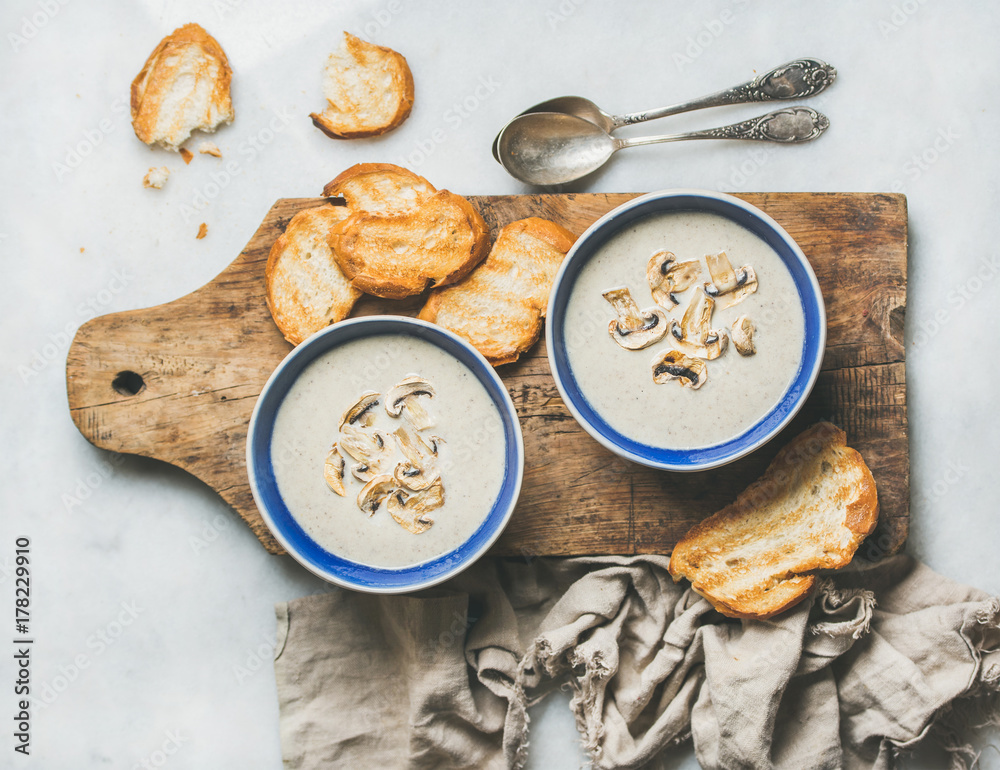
point(794, 80)
point(545, 148)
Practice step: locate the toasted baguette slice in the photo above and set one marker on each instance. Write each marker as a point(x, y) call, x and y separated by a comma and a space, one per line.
point(368, 89)
point(379, 188)
point(306, 290)
point(810, 510)
point(402, 235)
point(183, 86)
point(499, 307)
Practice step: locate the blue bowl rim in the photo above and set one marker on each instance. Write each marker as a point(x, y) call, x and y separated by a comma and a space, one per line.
point(698, 459)
point(427, 573)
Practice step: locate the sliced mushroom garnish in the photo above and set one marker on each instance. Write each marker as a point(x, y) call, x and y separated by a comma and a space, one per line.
point(333, 471)
point(634, 329)
point(373, 451)
point(362, 412)
point(666, 276)
point(674, 365)
point(694, 335)
point(407, 395)
point(415, 478)
point(422, 468)
point(374, 492)
point(743, 330)
point(411, 511)
point(729, 286)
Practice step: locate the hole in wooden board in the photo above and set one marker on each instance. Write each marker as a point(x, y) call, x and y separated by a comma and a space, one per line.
point(128, 383)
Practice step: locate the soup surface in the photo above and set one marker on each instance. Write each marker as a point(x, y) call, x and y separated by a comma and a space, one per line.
point(467, 432)
point(739, 390)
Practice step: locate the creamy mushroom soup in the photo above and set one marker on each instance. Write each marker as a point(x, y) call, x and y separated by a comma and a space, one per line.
point(458, 427)
point(737, 387)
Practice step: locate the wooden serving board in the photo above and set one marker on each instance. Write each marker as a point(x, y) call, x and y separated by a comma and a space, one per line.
point(199, 363)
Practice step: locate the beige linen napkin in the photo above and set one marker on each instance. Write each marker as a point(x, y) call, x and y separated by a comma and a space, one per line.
point(876, 659)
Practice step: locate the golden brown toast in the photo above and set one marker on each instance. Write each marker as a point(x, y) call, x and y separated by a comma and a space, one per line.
point(306, 289)
point(499, 307)
point(402, 235)
point(368, 90)
point(810, 510)
point(183, 86)
point(380, 188)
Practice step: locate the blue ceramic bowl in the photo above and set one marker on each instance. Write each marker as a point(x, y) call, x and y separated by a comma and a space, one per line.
point(297, 541)
point(768, 425)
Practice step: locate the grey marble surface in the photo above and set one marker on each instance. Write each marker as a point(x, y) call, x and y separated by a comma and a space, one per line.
point(152, 605)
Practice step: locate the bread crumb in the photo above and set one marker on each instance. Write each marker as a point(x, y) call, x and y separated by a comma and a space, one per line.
point(186, 154)
point(156, 177)
point(202, 231)
point(209, 148)
point(81, 249)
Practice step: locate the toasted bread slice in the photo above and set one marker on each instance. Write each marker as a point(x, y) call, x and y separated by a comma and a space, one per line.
point(402, 235)
point(306, 289)
point(379, 188)
point(499, 307)
point(183, 86)
point(810, 510)
point(368, 90)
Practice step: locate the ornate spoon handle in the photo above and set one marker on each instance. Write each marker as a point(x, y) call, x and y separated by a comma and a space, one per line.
point(795, 80)
point(790, 125)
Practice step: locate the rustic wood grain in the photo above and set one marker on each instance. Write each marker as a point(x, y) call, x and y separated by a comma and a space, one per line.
point(204, 358)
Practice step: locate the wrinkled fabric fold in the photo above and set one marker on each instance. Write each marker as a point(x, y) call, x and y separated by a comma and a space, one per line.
point(875, 660)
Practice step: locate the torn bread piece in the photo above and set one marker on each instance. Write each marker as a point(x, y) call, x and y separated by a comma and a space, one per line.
point(368, 90)
point(183, 86)
point(499, 307)
point(156, 177)
point(306, 289)
point(810, 510)
point(401, 235)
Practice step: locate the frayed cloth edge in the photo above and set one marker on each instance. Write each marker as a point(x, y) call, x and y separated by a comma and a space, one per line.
point(583, 702)
point(977, 707)
point(838, 597)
